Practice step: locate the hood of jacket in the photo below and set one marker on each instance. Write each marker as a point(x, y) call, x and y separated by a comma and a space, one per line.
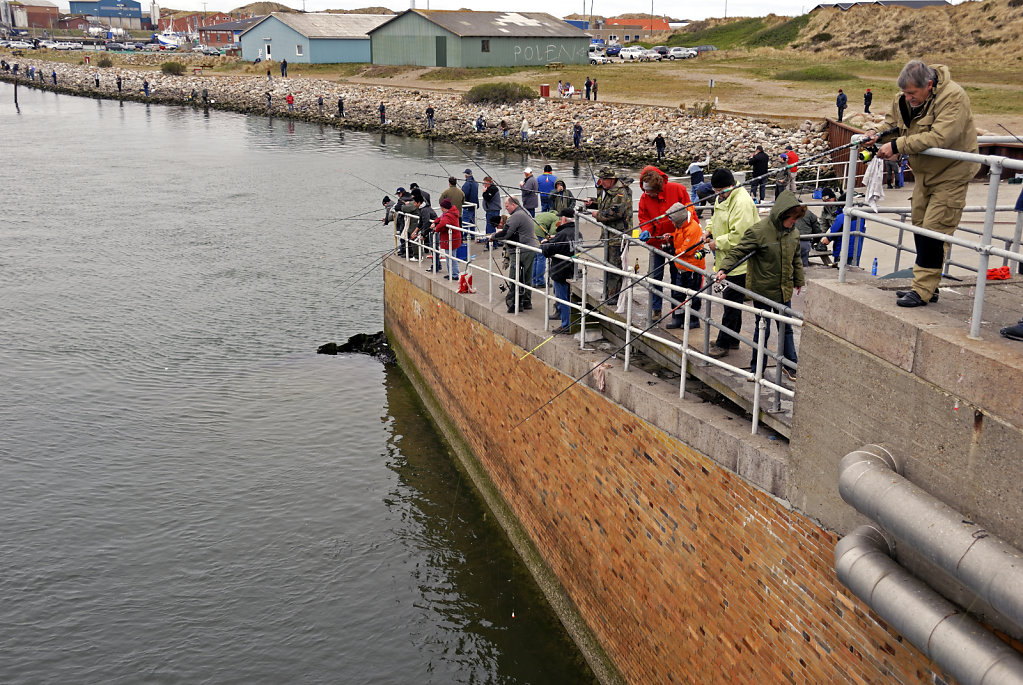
point(784, 203)
point(651, 167)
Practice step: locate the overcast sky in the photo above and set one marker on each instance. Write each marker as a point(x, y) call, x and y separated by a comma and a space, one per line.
point(560, 8)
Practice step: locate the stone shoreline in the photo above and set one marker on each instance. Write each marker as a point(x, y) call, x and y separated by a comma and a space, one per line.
point(619, 134)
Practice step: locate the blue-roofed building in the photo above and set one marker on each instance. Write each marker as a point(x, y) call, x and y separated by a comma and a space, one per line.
point(311, 38)
point(125, 14)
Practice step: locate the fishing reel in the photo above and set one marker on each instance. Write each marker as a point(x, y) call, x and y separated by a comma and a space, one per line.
point(867, 154)
point(719, 287)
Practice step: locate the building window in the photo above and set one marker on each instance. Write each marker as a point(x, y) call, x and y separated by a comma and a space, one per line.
point(485, 45)
point(612, 37)
point(298, 50)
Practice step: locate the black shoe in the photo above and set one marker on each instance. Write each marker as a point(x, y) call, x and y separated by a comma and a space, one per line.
point(675, 323)
point(511, 310)
point(911, 299)
point(902, 293)
point(447, 278)
point(526, 306)
point(694, 323)
point(562, 330)
point(1013, 332)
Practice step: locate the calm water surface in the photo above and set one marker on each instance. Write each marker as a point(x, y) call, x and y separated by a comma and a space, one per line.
point(188, 493)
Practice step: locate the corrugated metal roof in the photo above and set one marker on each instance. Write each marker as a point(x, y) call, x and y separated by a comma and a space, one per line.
point(326, 25)
point(34, 3)
point(498, 24)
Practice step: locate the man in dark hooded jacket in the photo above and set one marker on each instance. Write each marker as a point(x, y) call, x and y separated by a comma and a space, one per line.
point(775, 267)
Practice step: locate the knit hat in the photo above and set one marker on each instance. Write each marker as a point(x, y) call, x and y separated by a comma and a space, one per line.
point(567, 211)
point(417, 195)
point(387, 198)
point(722, 178)
point(445, 204)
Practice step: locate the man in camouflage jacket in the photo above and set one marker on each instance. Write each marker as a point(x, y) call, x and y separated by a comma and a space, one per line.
point(614, 210)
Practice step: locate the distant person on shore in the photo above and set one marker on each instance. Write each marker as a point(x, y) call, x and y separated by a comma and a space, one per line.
point(504, 128)
point(55, 78)
point(145, 86)
point(589, 85)
point(341, 106)
point(119, 84)
point(594, 90)
point(760, 163)
point(775, 269)
point(841, 101)
point(383, 113)
point(530, 191)
point(561, 88)
point(284, 68)
point(660, 144)
point(269, 76)
point(524, 129)
point(577, 135)
point(481, 123)
point(96, 77)
point(868, 97)
point(790, 158)
point(429, 118)
point(319, 104)
point(269, 100)
point(545, 184)
point(931, 110)
point(290, 99)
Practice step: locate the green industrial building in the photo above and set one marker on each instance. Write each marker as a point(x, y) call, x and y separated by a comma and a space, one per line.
point(445, 38)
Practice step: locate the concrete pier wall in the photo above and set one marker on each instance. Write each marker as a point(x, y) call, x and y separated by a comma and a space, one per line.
point(678, 567)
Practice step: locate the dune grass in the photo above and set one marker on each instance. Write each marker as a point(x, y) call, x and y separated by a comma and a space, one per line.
point(819, 72)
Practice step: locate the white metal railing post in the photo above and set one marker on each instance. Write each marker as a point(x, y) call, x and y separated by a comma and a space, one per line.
point(518, 272)
point(758, 375)
point(1016, 240)
point(582, 311)
point(850, 187)
point(982, 262)
point(686, 311)
point(451, 257)
point(628, 320)
point(490, 273)
point(547, 285)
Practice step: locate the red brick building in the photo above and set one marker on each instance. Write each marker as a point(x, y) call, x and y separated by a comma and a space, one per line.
point(34, 14)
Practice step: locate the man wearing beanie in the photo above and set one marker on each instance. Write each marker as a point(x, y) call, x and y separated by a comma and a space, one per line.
point(562, 243)
point(775, 268)
point(734, 213)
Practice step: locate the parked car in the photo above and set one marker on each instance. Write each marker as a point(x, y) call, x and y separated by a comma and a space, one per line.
point(596, 55)
point(661, 50)
point(650, 56)
point(705, 48)
point(115, 47)
point(151, 47)
point(19, 45)
point(682, 53)
point(48, 44)
point(613, 50)
point(631, 53)
point(211, 51)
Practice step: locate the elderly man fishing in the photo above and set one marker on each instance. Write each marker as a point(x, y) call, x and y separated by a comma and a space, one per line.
point(931, 111)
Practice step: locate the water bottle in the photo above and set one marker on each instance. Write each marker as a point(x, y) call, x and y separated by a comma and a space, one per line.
point(873, 269)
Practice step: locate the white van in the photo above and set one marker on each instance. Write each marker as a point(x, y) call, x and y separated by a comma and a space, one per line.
point(597, 55)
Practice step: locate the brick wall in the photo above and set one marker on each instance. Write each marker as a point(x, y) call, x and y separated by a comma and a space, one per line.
point(682, 569)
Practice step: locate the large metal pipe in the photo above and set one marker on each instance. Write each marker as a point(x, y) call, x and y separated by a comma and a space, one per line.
point(869, 480)
point(947, 636)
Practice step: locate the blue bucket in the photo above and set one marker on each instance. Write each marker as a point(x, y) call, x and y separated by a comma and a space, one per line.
point(462, 252)
point(818, 194)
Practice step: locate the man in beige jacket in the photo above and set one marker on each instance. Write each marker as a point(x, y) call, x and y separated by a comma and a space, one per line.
point(931, 111)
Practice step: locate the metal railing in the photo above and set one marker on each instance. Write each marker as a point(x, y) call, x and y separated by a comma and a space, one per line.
point(588, 313)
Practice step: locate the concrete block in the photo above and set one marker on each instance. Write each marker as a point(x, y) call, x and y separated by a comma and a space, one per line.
point(764, 469)
point(864, 316)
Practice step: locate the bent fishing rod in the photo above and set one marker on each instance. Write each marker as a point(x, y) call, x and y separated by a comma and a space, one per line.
point(622, 347)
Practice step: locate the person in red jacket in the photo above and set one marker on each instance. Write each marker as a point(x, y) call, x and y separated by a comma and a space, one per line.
point(656, 229)
point(448, 229)
point(790, 157)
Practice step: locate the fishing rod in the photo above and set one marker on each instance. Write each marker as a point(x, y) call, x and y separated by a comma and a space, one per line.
point(622, 347)
point(362, 273)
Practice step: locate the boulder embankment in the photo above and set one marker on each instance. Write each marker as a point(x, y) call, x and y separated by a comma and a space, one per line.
point(615, 133)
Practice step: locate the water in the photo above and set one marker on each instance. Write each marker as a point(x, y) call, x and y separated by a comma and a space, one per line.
point(189, 493)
